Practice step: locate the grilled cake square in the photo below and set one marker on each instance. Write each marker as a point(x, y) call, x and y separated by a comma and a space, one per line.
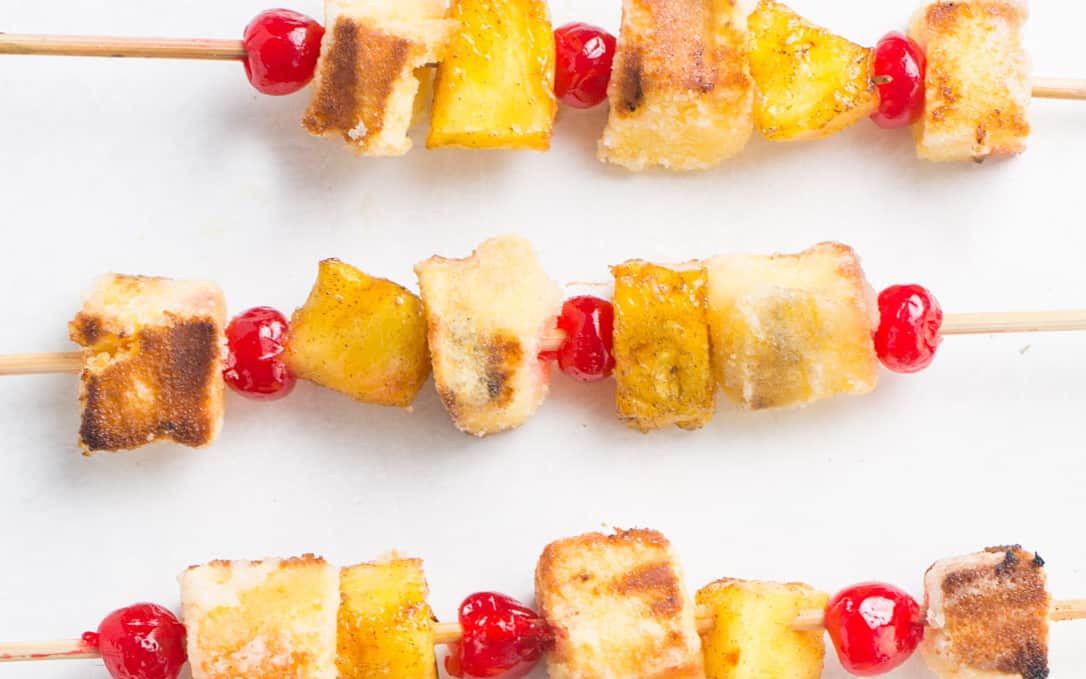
point(267, 619)
point(618, 608)
point(681, 92)
point(487, 316)
point(788, 330)
point(152, 362)
point(987, 616)
point(977, 89)
point(366, 82)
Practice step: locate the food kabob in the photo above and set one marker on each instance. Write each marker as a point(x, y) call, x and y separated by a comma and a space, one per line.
point(770, 331)
point(687, 80)
point(610, 605)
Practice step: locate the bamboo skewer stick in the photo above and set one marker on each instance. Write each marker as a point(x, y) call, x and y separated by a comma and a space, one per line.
point(234, 50)
point(450, 632)
point(102, 46)
point(986, 323)
point(1013, 321)
point(41, 364)
point(63, 649)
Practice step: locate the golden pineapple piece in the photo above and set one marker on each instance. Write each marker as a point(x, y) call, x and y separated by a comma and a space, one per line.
point(386, 627)
point(681, 93)
point(152, 362)
point(360, 335)
point(367, 79)
point(977, 89)
point(495, 86)
point(811, 83)
point(663, 369)
point(791, 329)
point(487, 316)
point(618, 608)
point(752, 637)
point(261, 619)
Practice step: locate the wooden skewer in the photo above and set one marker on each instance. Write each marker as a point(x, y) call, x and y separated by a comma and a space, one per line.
point(41, 364)
point(96, 46)
point(450, 632)
point(234, 50)
point(953, 324)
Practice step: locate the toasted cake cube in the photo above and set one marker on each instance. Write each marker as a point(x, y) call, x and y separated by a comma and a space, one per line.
point(261, 619)
point(811, 83)
point(152, 362)
point(360, 335)
point(978, 79)
point(681, 93)
point(663, 372)
point(752, 635)
point(791, 329)
point(495, 87)
point(618, 608)
point(366, 82)
point(987, 616)
point(386, 628)
point(487, 316)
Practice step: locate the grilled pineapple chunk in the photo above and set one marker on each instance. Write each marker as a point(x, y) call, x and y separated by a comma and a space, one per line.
point(661, 346)
point(811, 83)
point(681, 93)
point(360, 335)
point(385, 626)
point(495, 86)
point(791, 329)
point(977, 90)
point(752, 637)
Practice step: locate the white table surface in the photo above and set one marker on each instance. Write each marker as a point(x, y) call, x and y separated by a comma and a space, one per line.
point(181, 169)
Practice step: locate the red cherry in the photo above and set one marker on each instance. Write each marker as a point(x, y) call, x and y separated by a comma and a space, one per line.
point(282, 47)
point(586, 353)
point(908, 333)
point(874, 627)
point(583, 64)
point(143, 641)
point(255, 342)
point(901, 98)
point(501, 638)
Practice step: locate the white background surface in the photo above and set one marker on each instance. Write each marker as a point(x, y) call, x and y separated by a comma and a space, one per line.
point(181, 169)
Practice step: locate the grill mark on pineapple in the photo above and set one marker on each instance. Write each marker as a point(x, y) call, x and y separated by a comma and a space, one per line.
point(356, 81)
point(657, 584)
point(177, 365)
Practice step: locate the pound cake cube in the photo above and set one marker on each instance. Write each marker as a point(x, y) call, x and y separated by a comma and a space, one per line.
point(663, 372)
point(752, 635)
point(978, 79)
point(681, 92)
point(366, 83)
point(987, 616)
point(386, 628)
point(261, 619)
point(811, 83)
point(152, 362)
point(360, 335)
point(495, 87)
point(618, 608)
point(788, 330)
point(487, 316)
